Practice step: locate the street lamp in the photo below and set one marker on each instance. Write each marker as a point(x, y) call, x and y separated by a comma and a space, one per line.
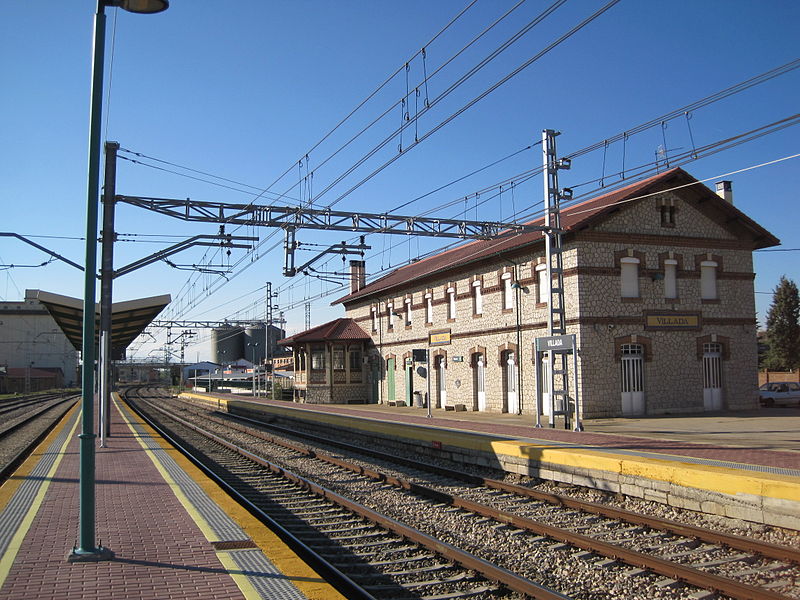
point(254, 345)
point(86, 549)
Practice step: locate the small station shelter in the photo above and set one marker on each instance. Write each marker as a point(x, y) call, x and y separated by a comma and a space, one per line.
point(330, 365)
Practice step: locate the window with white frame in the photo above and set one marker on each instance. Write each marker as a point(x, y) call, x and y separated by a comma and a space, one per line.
point(708, 280)
point(477, 298)
point(508, 292)
point(670, 278)
point(542, 287)
point(429, 308)
point(337, 358)
point(318, 358)
point(374, 312)
point(390, 314)
point(629, 277)
point(355, 358)
point(408, 312)
point(451, 303)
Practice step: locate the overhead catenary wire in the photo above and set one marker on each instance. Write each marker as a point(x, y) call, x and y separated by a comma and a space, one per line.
point(719, 95)
point(753, 82)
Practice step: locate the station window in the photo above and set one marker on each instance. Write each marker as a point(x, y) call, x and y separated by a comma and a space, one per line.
point(629, 277)
point(355, 359)
point(451, 303)
point(542, 288)
point(508, 292)
point(477, 298)
point(390, 315)
point(429, 308)
point(408, 312)
point(374, 312)
point(708, 280)
point(670, 278)
point(337, 357)
point(318, 358)
point(667, 215)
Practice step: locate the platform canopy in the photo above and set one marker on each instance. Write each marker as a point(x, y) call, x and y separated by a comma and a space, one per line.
point(128, 319)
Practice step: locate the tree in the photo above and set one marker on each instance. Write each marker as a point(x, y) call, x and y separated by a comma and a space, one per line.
point(783, 327)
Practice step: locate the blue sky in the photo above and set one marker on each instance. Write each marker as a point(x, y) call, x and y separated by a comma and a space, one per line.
point(243, 90)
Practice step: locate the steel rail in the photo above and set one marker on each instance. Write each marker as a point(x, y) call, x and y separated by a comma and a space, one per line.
point(490, 571)
point(7, 469)
point(33, 416)
point(339, 580)
point(782, 553)
point(702, 579)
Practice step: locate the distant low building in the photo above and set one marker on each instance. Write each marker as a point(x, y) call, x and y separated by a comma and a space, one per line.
point(31, 339)
point(329, 364)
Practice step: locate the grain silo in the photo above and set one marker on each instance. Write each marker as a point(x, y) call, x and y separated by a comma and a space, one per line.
point(255, 343)
point(227, 344)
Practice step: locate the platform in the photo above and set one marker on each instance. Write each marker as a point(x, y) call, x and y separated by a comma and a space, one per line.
point(729, 464)
point(173, 532)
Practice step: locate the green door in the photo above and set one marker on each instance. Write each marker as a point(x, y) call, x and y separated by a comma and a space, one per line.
point(390, 379)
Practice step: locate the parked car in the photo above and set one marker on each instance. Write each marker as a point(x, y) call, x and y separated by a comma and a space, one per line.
point(783, 392)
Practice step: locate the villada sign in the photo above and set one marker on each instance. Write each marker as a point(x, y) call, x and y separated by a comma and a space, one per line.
point(672, 321)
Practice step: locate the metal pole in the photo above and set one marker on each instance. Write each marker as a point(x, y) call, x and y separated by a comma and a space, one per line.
point(428, 372)
point(86, 542)
point(578, 423)
point(519, 339)
point(106, 288)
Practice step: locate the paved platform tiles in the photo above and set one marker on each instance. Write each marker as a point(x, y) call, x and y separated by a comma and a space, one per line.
point(165, 521)
point(665, 459)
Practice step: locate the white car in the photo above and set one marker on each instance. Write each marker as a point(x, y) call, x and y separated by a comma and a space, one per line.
point(779, 392)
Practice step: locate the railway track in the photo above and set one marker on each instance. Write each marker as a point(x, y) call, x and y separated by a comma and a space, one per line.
point(369, 554)
point(27, 424)
point(598, 542)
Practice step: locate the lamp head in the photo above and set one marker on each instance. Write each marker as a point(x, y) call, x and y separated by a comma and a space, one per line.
point(140, 6)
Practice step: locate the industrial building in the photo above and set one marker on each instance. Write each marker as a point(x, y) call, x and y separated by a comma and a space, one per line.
point(36, 353)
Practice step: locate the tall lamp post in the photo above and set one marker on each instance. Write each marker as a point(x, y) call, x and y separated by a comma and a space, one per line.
point(86, 549)
point(254, 346)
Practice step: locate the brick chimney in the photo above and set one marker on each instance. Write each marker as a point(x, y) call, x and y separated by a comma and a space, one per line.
point(725, 191)
point(358, 275)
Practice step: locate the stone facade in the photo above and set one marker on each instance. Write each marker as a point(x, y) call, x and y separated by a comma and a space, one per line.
point(684, 342)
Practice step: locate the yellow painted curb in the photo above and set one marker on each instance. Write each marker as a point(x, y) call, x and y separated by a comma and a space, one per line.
point(711, 478)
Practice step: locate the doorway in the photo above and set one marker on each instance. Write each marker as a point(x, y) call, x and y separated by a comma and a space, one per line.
point(632, 373)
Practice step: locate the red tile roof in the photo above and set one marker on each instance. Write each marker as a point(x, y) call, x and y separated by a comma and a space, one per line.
point(573, 218)
point(343, 329)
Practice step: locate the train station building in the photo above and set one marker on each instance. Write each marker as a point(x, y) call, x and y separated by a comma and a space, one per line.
point(658, 286)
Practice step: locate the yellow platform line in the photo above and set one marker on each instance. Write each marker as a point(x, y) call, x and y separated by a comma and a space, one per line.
point(711, 478)
point(7, 560)
point(284, 558)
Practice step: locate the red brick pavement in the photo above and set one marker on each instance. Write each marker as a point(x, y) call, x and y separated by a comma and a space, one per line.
point(160, 552)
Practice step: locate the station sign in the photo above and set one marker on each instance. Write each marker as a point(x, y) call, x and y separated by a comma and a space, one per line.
point(671, 321)
point(439, 338)
point(555, 343)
